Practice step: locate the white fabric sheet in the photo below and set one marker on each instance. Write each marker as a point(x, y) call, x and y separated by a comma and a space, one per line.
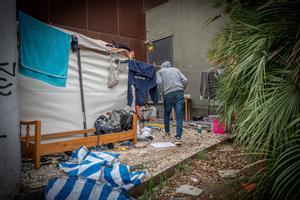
point(59, 108)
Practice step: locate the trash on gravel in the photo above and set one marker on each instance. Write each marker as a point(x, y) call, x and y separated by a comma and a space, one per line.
point(163, 144)
point(141, 144)
point(190, 190)
point(194, 179)
point(228, 173)
point(154, 160)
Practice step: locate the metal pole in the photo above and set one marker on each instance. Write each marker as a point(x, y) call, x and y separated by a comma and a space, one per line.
point(81, 90)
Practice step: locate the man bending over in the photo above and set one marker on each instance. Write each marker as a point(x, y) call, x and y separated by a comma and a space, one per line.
point(172, 83)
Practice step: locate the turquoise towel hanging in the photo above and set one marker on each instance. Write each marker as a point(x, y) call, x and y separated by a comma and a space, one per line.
point(44, 53)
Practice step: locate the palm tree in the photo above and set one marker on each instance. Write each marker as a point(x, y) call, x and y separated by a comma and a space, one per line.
point(260, 49)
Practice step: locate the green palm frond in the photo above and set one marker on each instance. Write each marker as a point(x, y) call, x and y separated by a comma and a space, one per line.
point(260, 51)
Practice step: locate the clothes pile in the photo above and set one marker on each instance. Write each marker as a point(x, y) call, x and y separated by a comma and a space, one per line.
point(146, 133)
point(116, 121)
point(94, 175)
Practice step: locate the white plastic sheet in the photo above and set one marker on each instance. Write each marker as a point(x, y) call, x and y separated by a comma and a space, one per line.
point(59, 108)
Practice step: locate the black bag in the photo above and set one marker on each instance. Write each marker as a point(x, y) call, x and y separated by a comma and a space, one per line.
point(126, 120)
point(101, 125)
point(121, 119)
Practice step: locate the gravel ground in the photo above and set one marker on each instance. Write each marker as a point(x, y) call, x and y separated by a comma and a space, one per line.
point(202, 173)
point(34, 179)
point(150, 159)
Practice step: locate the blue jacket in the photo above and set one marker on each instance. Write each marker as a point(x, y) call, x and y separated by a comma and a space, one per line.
point(143, 77)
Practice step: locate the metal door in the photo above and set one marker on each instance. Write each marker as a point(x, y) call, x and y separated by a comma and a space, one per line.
point(162, 51)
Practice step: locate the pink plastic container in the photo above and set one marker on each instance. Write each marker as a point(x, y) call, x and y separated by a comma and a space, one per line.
point(218, 128)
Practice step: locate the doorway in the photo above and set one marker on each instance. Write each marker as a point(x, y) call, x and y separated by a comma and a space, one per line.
point(162, 51)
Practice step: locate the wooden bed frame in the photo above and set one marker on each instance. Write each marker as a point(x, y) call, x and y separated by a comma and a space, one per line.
point(32, 146)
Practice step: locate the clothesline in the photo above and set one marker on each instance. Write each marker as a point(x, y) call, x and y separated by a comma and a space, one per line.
point(109, 51)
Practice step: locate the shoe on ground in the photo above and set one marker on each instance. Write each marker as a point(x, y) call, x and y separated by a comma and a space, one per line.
point(165, 134)
point(178, 141)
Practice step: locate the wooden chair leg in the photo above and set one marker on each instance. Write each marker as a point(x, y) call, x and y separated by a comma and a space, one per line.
point(37, 145)
point(185, 109)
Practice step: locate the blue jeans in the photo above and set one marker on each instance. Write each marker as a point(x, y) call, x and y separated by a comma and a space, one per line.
point(174, 100)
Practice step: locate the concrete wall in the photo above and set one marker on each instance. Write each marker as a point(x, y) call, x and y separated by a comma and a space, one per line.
point(9, 111)
point(191, 39)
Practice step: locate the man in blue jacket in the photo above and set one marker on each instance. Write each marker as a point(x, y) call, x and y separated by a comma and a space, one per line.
point(172, 83)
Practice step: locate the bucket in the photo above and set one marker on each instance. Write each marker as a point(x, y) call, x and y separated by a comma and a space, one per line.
point(218, 128)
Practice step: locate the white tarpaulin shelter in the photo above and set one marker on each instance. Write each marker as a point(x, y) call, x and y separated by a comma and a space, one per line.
point(59, 108)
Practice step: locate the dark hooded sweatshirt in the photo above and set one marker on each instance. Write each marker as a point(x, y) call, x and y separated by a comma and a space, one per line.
point(143, 77)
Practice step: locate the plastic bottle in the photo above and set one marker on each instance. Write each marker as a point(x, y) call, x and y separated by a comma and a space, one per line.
point(199, 129)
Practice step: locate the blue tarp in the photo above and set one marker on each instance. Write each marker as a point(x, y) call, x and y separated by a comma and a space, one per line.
point(81, 189)
point(102, 169)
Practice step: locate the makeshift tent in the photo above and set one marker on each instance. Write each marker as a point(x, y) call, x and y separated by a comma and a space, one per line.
point(59, 108)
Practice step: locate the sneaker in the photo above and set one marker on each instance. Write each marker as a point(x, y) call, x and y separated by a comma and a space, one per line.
point(165, 134)
point(178, 141)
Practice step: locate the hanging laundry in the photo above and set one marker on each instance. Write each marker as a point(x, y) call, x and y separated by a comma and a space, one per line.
point(113, 73)
point(208, 84)
point(204, 85)
point(143, 77)
point(121, 45)
point(44, 52)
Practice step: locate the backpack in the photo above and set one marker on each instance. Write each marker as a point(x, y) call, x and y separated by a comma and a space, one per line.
point(101, 125)
point(125, 120)
point(119, 120)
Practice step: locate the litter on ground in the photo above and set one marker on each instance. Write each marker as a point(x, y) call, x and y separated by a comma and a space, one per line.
point(163, 144)
point(151, 160)
point(190, 190)
point(228, 173)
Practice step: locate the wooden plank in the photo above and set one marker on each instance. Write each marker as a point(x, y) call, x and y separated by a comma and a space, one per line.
point(63, 134)
point(67, 133)
point(27, 122)
point(72, 144)
point(75, 132)
point(134, 127)
point(37, 145)
point(185, 108)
